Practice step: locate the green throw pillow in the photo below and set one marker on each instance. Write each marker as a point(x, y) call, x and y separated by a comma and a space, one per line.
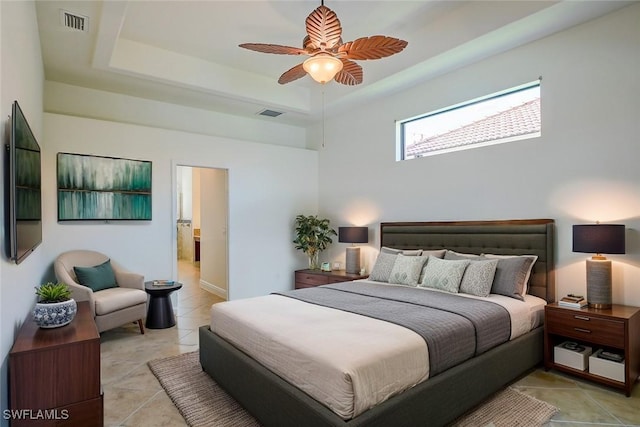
point(97, 278)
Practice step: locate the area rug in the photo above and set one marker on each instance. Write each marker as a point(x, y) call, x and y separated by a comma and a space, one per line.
point(203, 403)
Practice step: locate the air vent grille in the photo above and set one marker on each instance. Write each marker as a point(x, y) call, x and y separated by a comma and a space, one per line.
point(74, 21)
point(270, 113)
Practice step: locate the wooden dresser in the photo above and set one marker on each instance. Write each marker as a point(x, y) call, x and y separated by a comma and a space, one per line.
point(311, 278)
point(54, 374)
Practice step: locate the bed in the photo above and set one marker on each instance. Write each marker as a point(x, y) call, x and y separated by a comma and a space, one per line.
point(441, 398)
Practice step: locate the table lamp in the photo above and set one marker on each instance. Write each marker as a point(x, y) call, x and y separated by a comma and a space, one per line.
point(599, 239)
point(353, 235)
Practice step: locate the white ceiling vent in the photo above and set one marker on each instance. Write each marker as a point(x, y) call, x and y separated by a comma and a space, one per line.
point(74, 21)
point(269, 113)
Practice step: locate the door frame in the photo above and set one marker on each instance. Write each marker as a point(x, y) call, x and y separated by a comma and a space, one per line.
point(174, 217)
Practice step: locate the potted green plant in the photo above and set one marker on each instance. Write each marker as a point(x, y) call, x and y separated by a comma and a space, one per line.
point(54, 307)
point(313, 235)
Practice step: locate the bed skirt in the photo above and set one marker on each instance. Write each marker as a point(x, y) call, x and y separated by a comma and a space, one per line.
point(437, 401)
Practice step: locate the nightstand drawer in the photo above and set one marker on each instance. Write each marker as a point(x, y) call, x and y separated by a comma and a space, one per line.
point(311, 279)
point(338, 279)
point(583, 326)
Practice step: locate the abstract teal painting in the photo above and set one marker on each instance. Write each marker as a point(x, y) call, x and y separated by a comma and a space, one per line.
point(28, 198)
point(103, 188)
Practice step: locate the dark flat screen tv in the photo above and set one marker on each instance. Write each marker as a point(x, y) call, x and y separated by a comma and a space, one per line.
point(23, 200)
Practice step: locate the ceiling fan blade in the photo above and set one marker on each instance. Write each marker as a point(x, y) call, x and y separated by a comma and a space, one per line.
point(274, 48)
point(351, 73)
point(374, 47)
point(324, 29)
point(293, 74)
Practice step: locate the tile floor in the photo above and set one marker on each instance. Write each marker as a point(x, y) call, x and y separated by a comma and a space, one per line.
point(133, 396)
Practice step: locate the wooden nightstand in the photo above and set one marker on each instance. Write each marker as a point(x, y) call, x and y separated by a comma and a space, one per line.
point(57, 371)
point(311, 278)
point(616, 329)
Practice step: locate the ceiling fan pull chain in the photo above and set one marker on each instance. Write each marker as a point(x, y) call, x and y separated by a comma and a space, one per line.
point(322, 116)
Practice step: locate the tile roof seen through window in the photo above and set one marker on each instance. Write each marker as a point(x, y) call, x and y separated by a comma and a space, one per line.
point(523, 119)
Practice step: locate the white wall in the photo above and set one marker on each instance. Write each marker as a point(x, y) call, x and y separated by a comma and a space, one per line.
point(72, 100)
point(195, 197)
point(584, 167)
point(22, 79)
point(265, 194)
point(185, 189)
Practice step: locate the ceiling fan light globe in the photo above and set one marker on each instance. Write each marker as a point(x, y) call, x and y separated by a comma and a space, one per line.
point(322, 68)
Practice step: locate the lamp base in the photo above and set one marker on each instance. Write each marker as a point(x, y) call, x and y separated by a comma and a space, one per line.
point(600, 306)
point(599, 294)
point(353, 260)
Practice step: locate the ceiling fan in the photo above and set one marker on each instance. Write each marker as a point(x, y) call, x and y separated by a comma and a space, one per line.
point(330, 58)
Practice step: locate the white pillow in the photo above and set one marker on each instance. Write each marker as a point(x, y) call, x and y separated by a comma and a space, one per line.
point(406, 252)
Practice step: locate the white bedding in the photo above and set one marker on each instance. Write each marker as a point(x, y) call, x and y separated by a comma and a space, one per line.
point(346, 361)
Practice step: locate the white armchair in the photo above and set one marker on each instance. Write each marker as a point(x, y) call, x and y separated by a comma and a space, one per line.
point(112, 307)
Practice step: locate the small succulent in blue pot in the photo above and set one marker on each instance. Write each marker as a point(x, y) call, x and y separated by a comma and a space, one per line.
point(55, 307)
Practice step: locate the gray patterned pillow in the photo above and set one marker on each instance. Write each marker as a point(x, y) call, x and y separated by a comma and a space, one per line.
point(478, 277)
point(406, 270)
point(382, 268)
point(438, 253)
point(443, 274)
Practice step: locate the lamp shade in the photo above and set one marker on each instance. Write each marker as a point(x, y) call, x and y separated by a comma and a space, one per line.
point(322, 67)
point(353, 234)
point(599, 238)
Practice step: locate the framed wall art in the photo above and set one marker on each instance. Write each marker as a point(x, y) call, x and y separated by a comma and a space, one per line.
point(103, 188)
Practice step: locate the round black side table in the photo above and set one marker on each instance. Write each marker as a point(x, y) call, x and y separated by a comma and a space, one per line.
point(160, 311)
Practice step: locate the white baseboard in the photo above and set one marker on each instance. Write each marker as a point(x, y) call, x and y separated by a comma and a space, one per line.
point(216, 290)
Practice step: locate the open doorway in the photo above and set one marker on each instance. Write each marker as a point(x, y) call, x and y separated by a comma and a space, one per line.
point(202, 223)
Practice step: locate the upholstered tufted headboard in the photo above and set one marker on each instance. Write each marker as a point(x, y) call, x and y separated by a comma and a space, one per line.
point(508, 237)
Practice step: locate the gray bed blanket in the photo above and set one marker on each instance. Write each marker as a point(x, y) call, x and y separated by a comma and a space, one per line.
point(455, 328)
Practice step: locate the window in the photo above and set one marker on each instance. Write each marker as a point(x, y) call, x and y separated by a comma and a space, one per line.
point(509, 115)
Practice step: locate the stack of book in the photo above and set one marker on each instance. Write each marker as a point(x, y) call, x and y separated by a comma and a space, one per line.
point(163, 283)
point(573, 301)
